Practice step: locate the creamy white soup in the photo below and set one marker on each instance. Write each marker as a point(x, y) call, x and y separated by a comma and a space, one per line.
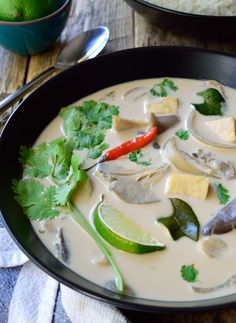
point(191, 161)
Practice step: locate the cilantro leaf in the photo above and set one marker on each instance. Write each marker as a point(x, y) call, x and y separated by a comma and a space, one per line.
point(74, 120)
point(61, 159)
point(99, 113)
point(136, 157)
point(182, 134)
point(212, 104)
point(189, 273)
point(36, 199)
point(46, 159)
point(90, 138)
point(162, 89)
point(35, 161)
point(222, 194)
point(97, 151)
point(87, 125)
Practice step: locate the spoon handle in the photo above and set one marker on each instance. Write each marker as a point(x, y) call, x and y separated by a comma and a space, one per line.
point(18, 94)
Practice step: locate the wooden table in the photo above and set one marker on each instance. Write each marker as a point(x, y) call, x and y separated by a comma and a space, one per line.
point(128, 30)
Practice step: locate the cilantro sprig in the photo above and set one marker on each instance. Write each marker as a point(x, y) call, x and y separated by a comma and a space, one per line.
point(59, 162)
point(189, 273)
point(53, 158)
point(37, 200)
point(87, 125)
point(222, 194)
point(182, 134)
point(137, 157)
point(213, 102)
point(163, 89)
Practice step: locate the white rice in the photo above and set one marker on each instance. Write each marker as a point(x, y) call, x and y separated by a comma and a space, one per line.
point(201, 7)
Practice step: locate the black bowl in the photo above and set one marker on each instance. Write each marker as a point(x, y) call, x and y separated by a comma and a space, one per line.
point(44, 104)
point(201, 26)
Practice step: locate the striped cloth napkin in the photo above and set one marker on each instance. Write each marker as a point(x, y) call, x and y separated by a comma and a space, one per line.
point(28, 295)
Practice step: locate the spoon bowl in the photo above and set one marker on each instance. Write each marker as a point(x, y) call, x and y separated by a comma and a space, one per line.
point(85, 46)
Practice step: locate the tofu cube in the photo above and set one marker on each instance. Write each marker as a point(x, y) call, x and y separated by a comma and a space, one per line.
point(167, 105)
point(225, 128)
point(188, 185)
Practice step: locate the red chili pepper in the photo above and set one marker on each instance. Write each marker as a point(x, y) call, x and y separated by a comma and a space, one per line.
point(131, 145)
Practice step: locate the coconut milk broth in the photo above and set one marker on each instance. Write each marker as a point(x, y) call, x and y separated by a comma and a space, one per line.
point(155, 275)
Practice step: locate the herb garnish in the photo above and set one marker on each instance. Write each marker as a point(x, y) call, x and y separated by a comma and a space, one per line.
point(212, 104)
point(136, 157)
point(59, 162)
point(162, 89)
point(183, 221)
point(37, 201)
point(182, 134)
point(87, 125)
point(53, 158)
point(189, 273)
point(97, 151)
point(222, 194)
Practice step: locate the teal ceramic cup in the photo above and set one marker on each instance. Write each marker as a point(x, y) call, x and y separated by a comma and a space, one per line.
point(35, 36)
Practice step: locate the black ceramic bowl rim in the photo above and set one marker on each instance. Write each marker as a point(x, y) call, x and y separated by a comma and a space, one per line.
point(82, 285)
point(181, 13)
point(34, 21)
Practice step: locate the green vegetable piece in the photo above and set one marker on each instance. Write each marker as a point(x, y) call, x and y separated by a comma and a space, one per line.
point(222, 194)
point(48, 159)
point(74, 120)
point(90, 138)
point(99, 113)
point(64, 192)
point(183, 221)
point(162, 89)
point(182, 134)
point(87, 125)
point(189, 273)
point(97, 151)
point(212, 104)
point(35, 161)
point(36, 199)
point(136, 157)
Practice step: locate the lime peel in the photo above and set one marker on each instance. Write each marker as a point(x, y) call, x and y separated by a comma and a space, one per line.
point(121, 232)
point(22, 10)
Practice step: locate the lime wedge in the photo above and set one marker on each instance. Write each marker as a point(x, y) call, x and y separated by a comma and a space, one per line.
point(121, 232)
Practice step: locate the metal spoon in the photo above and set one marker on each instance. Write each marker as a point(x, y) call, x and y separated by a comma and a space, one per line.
point(85, 46)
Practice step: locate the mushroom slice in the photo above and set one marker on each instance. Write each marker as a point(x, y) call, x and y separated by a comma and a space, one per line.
point(228, 283)
point(115, 167)
point(163, 123)
point(214, 247)
point(135, 189)
point(123, 124)
point(223, 168)
point(227, 168)
point(223, 222)
point(183, 161)
point(199, 137)
point(60, 244)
